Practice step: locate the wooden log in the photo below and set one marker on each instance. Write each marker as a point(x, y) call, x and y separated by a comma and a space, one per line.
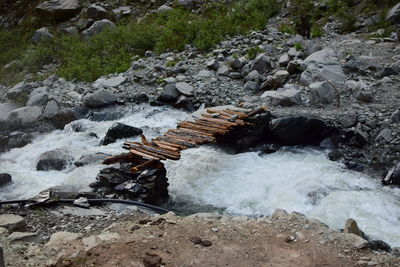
point(194, 126)
point(175, 141)
point(192, 134)
point(119, 158)
point(154, 152)
point(203, 133)
point(253, 113)
point(144, 140)
point(163, 142)
point(188, 139)
point(164, 145)
point(222, 122)
point(212, 125)
point(161, 151)
point(144, 155)
point(145, 165)
point(232, 112)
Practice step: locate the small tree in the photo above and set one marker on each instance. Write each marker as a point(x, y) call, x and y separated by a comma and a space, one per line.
point(303, 12)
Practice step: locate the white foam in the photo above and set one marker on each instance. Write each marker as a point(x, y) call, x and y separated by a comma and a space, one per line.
point(295, 180)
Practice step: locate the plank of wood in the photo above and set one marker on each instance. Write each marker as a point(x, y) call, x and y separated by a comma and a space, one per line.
point(144, 140)
point(144, 155)
point(163, 142)
point(222, 122)
point(212, 125)
point(253, 113)
point(118, 158)
point(165, 146)
point(194, 126)
point(175, 141)
point(155, 149)
point(145, 165)
point(203, 133)
point(220, 116)
point(188, 139)
point(155, 152)
point(232, 112)
point(190, 133)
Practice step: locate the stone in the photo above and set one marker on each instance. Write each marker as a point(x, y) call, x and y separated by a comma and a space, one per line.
point(12, 222)
point(351, 227)
point(98, 27)
point(22, 236)
point(42, 35)
point(99, 99)
point(5, 179)
point(97, 12)
point(184, 88)
point(164, 8)
point(184, 103)
point(56, 159)
point(83, 24)
point(360, 91)
point(58, 9)
point(279, 214)
point(205, 73)
point(82, 212)
point(393, 176)
point(223, 70)
point(236, 64)
point(82, 202)
point(20, 92)
point(294, 66)
point(384, 136)
point(279, 78)
point(379, 245)
point(189, 4)
point(60, 239)
point(51, 109)
point(235, 75)
point(284, 96)
point(394, 14)
point(355, 241)
point(96, 158)
point(261, 63)
point(252, 76)
point(38, 99)
point(251, 86)
point(322, 92)
point(394, 118)
point(5, 109)
point(212, 64)
point(149, 53)
point(284, 60)
point(323, 63)
point(119, 131)
point(114, 82)
point(298, 130)
point(23, 117)
point(169, 94)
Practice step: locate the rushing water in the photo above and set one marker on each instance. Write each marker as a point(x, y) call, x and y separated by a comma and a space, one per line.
point(302, 180)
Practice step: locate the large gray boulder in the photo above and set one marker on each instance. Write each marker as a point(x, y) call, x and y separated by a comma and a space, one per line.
point(98, 27)
point(56, 159)
point(323, 63)
point(184, 88)
point(287, 96)
point(97, 12)
point(169, 94)
point(119, 131)
point(42, 35)
point(12, 222)
point(23, 117)
point(261, 63)
point(322, 92)
point(5, 109)
point(99, 99)
point(58, 9)
point(361, 91)
point(394, 14)
point(393, 176)
point(38, 97)
point(20, 92)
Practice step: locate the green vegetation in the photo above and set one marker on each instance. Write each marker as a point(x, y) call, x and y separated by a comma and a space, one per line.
point(286, 28)
point(298, 46)
point(252, 52)
point(112, 50)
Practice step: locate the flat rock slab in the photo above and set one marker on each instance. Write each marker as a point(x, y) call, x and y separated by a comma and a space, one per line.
point(12, 222)
point(58, 9)
point(184, 88)
point(82, 212)
point(22, 236)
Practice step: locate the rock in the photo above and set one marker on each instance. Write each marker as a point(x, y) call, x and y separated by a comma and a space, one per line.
point(56, 159)
point(184, 103)
point(236, 64)
point(169, 94)
point(98, 27)
point(58, 9)
point(384, 136)
point(351, 227)
point(5, 109)
point(251, 86)
point(323, 63)
point(96, 158)
point(51, 109)
point(189, 4)
point(394, 14)
point(60, 239)
point(12, 222)
point(298, 130)
point(393, 176)
point(99, 99)
point(205, 73)
point(164, 8)
point(235, 75)
point(22, 236)
point(113, 82)
point(119, 131)
point(348, 120)
point(288, 96)
point(253, 76)
point(83, 24)
point(23, 117)
point(149, 53)
point(66, 116)
point(5, 179)
point(42, 35)
point(96, 12)
point(355, 241)
point(394, 118)
point(223, 70)
point(379, 245)
point(82, 202)
point(360, 91)
point(279, 78)
point(279, 214)
point(261, 63)
point(212, 64)
point(38, 99)
point(284, 60)
point(184, 88)
point(322, 92)
point(294, 66)
point(396, 251)
point(20, 92)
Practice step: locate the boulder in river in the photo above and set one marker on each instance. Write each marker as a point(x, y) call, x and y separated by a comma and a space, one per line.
point(393, 176)
point(5, 179)
point(90, 159)
point(119, 131)
point(298, 130)
point(99, 99)
point(56, 159)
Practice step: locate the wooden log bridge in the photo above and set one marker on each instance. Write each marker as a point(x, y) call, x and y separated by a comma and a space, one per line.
point(203, 129)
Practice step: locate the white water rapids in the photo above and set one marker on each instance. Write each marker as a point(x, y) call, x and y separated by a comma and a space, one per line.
point(302, 180)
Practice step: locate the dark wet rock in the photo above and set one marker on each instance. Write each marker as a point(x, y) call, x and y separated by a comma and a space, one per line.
point(169, 94)
point(96, 158)
point(119, 131)
point(299, 130)
point(14, 140)
point(379, 245)
point(394, 14)
point(66, 116)
point(5, 179)
point(184, 103)
point(99, 99)
point(261, 63)
point(58, 9)
point(96, 12)
point(56, 159)
point(107, 115)
point(335, 155)
point(393, 176)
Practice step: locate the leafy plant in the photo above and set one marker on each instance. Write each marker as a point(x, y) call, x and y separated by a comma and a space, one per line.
point(252, 52)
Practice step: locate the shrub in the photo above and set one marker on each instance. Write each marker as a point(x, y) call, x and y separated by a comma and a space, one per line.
point(253, 52)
